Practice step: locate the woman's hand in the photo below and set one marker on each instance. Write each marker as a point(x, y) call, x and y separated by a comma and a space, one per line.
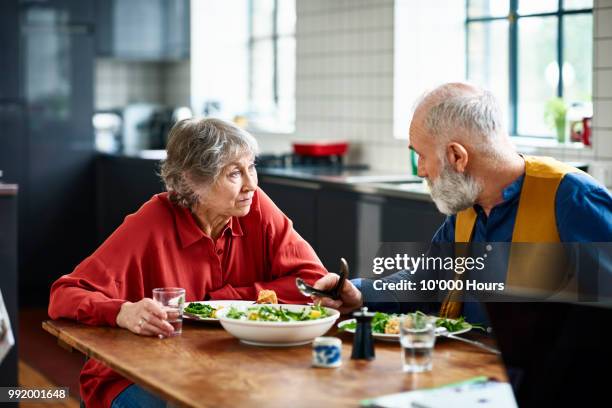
point(350, 296)
point(145, 317)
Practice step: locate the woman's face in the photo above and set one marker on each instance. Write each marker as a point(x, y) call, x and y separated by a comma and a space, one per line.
point(232, 194)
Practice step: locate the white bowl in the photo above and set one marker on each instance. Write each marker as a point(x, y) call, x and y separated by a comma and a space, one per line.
point(278, 334)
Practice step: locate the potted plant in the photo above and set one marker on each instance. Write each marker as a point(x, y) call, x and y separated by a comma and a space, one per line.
point(555, 115)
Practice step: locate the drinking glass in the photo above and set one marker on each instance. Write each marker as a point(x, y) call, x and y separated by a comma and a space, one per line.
point(172, 301)
point(417, 338)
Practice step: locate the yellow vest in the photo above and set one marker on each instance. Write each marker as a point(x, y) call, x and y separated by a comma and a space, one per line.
point(535, 223)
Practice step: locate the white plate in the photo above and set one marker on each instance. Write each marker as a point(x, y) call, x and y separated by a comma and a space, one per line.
point(395, 337)
point(216, 304)
point(278, 334)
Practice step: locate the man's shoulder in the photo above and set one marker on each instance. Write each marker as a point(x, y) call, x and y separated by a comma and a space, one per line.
point(583, 209)
point(446, 231)
point(579, 184)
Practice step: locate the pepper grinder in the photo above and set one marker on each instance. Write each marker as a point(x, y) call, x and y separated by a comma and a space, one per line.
point(363, 342)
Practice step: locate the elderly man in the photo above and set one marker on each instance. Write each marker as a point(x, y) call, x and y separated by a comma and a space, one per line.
point(489, 192)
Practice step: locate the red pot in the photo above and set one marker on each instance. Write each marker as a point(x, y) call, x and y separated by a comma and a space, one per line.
point(318, 149)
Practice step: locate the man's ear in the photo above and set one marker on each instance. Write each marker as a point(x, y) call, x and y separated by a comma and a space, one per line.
point(457, 156)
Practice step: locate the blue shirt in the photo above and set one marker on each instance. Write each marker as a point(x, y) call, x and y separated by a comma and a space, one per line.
point(583, 210)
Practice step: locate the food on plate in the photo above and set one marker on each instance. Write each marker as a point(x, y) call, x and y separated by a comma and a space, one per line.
point(267, 296)
point(453, 325)
point(277, 314)
point(202, 310)
point(392, 326)
point(385, 323)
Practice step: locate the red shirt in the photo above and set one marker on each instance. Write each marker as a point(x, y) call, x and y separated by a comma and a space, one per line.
point(161, 246)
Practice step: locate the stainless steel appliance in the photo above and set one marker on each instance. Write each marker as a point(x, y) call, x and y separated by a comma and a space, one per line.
point(146, 126)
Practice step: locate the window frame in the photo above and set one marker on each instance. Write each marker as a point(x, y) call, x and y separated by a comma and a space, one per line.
point(274, 38)
point(513, 19)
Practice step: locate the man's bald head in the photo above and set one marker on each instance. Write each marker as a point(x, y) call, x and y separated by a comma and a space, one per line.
point(464, 113)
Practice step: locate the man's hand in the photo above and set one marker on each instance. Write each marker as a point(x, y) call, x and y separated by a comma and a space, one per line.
point(145, 317)
point(350, 296)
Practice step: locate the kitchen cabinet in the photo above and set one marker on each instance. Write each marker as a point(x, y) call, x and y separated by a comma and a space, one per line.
point(409, 220)
point(8, 278)
point(354, 225)
point(298, 200)
point(147, 30)
point(123, 185)
point(46, 106)
point(9, 52)
point(337, 223)
point(325, 218)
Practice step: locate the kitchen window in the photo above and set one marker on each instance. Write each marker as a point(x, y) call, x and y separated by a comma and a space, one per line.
point(528, 52)
point(271, 55)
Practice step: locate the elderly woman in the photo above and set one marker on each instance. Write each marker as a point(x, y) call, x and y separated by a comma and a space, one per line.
point(213, 233)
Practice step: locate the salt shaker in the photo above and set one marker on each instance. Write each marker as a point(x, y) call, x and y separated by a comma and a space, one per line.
point(327, 352)
point(363, 342)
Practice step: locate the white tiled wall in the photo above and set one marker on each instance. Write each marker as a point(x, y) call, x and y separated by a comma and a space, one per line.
point(177, 83)
point(602, 91)
point(344, 78)
point(119, 83)
point(344, 85)
point(344, 81)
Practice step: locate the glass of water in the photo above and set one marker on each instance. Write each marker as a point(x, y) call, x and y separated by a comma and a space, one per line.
point(172, 301)
point(417, 337)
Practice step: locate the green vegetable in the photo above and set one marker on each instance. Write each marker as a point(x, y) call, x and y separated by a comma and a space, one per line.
point(200, 309)
point(380, 321)
point(348, 326)
point(452, 325)
point(278, 314)
point(235, 313)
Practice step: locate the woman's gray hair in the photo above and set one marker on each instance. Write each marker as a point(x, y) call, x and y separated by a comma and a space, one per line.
point(467, 109)
point(198, 150)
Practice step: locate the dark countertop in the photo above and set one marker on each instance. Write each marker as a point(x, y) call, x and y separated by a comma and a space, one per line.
point(375, 182)
point(364, 181)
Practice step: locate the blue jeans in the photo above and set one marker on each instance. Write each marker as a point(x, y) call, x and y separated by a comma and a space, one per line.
point(137, 397)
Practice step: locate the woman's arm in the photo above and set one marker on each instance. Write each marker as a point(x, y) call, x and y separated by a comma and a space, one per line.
point(107, 288)
point(89, 295)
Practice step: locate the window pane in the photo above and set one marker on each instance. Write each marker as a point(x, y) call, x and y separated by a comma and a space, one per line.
point(262, 17)
point(286, 67)
point(286, 17)
point(488, 8)
point(262, 80)
point(577, 57)
point(538, 72)
point(539, 6)
point(577, 4)
point(488, 59)
point(286, 81)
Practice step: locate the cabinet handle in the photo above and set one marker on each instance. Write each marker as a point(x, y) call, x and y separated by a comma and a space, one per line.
point(292, 183)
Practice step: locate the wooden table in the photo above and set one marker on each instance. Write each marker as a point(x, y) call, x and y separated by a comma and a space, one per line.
point(206, 366)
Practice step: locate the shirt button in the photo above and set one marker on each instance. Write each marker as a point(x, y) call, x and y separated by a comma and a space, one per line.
point(219, 251)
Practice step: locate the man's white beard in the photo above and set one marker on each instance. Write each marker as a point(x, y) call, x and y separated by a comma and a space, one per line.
point(452, 191)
